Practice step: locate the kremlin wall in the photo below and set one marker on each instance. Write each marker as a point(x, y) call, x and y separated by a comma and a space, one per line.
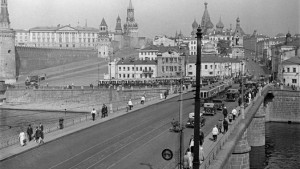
point(31, 58)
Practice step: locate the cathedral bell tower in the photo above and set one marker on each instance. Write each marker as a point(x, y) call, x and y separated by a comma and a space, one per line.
point(237, 44)
point(130, 27)
point(7, 47)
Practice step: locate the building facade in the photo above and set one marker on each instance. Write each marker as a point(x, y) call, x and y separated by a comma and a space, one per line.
point(7, 47)
point(214, 66)
point(291, 71)
point(130, 69)
point(149, 53)
point(22, 37)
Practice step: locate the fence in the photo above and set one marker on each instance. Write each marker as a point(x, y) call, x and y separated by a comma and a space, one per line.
point(118, 106)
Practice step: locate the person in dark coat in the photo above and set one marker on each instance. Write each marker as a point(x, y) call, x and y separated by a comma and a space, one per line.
point(201, 137)
point(104, 111)
point(240, 101)
point(225, 125)
point(29, 132)
point(225, 112)
point(41, 127)
point(37, 134)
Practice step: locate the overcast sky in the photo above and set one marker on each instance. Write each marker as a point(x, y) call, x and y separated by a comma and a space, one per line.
point(158, 17)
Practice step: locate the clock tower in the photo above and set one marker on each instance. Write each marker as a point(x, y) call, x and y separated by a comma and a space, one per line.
point(130, 27)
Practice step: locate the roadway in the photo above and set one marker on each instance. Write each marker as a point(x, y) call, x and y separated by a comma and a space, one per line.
point(134, 140)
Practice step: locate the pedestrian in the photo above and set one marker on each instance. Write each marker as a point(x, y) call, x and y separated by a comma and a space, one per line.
point(166, 94)
point(29, 132)
point(215, 133)
point(190, 155)
point(186, 161)
point(220, 125)
point(225, 125)
point(234, 113)
point(103, 111)
point(249, 97)
point(130, 104)
point(161, 96)
point(230, 117)
point(41, 134)
point(225, 112)
point(41, 127)
point(22, 138)
point(36, 134)
point(240, 101)
point(201, 154)
point(143, 100)
point(192, 144)
point(93, 112)
point(201, 137)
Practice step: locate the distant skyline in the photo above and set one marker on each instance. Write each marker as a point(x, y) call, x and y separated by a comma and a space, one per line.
point(159, 17)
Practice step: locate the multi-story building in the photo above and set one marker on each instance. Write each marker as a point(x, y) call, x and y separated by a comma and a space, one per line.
point(63, 37)
point(129, 69)
point(149, 53)
point(214, 66)
point(291, 71)
point(22, 37)
point(7, 47)
point(164, 40)
point(170, 62)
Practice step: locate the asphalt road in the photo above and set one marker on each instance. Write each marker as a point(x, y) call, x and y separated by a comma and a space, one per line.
point(134, 140)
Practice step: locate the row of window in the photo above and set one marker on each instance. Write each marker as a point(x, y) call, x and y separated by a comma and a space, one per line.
point(149, 53)
point(136, 68)
point(62, 33)
point(170, 68)
point(288, 70)
point(171, 60)
point(133, 76)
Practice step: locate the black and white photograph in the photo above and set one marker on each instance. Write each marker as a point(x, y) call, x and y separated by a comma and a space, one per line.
point(149, 84)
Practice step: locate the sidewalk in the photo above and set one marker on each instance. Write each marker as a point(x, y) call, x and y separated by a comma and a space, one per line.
point(17, 149)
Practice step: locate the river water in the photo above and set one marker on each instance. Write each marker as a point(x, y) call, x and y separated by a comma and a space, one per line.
point(282, 149)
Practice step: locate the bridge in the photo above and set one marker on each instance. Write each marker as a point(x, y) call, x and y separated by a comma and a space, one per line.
point(232, 150)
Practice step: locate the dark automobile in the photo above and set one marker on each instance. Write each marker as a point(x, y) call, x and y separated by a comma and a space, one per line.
point(190, 122)
point(219, 103)
point(232, 95)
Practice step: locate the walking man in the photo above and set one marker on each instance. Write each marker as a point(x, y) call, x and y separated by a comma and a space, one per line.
point(130, 104)
point(215, 133)
point(29, 132)
point(225, 125)
point(143, 100)
point(41, 127)
point(22, 138)
point(234, 113)
point(93, 112)
point(201, 137)
point(225, 112)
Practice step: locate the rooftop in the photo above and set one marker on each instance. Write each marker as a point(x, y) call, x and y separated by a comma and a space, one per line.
point(131, 61)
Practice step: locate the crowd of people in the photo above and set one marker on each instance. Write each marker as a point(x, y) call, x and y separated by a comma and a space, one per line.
point(37, 135)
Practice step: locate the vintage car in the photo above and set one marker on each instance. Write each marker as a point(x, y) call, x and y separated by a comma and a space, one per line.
point(209, 109)
point(190, 122)
point(232, 95)
point(219, 103)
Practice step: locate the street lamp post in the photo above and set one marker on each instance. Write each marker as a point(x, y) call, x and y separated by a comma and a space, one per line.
point(110, 86)
point(196, 163)
point(242, 106)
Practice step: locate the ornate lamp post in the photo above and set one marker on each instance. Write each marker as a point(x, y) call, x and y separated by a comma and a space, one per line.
point(196, 163)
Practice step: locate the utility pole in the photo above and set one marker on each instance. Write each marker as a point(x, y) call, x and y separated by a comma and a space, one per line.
point(242, 106)
point(110, 86)
point(196, 163)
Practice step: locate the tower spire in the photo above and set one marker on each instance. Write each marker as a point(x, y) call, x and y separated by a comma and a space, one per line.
point(4, 16)
point(130, 5)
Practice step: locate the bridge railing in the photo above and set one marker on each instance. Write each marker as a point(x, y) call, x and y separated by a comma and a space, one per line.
point(211, 156)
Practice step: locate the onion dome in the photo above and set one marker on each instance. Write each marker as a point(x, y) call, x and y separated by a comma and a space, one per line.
point(220, 24)
point(288, 35)
point(195, 24)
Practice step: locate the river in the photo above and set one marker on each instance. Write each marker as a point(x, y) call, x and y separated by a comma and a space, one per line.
point(282, 149)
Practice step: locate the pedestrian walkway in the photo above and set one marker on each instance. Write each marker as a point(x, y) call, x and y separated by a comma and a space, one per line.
point(17, 148)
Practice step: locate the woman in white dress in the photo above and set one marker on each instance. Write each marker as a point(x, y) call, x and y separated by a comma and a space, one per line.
point(22, 138)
